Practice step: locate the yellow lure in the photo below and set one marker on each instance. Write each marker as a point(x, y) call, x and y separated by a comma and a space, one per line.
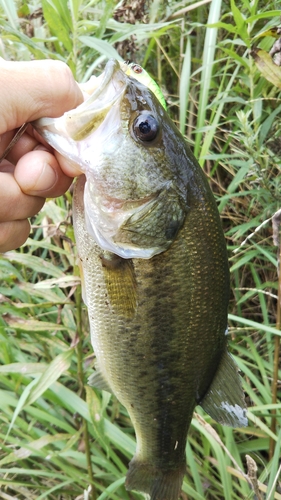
point(137, 72)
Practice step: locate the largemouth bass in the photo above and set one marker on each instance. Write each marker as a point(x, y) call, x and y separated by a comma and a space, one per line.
point(155, 272)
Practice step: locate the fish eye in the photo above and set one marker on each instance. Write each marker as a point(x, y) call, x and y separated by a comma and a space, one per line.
point(145, 127)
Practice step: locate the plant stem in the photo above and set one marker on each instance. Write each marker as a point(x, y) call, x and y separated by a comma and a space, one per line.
point(93, 495)
point(274, 385)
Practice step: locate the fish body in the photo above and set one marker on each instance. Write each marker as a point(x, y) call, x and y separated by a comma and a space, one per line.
point(155, 273)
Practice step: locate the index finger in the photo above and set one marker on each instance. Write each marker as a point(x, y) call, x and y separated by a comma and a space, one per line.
point(33, 89)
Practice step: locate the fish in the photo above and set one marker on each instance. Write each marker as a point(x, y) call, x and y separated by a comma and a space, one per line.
point(155, 272)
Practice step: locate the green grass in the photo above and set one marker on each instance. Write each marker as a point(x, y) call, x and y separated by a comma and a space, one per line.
point(60, 439)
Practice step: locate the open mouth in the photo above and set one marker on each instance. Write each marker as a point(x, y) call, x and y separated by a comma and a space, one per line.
point(104, 91)
point(101, 94)
point(96, 84)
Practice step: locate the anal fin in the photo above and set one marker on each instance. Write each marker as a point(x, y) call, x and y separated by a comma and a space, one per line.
point(97, 380)
point(225, 401)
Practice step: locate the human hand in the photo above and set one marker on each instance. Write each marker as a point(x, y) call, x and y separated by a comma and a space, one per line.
point(30, 173)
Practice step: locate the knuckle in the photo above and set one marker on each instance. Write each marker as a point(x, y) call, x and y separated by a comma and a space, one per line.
point(60, 72)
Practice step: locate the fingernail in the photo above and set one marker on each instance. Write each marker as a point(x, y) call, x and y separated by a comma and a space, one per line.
point(40, 147)
point(47, 179)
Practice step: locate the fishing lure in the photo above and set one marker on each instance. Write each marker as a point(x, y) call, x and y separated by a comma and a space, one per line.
point(140, 74)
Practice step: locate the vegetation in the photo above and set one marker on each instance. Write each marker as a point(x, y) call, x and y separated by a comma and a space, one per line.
point(60, 439)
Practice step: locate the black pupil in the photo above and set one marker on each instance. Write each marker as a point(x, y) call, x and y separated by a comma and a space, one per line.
point(145, 127)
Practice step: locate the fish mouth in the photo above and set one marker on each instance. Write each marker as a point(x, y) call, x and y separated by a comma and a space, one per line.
point(102, 94)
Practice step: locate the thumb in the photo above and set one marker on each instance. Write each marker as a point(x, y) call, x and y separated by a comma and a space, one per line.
point(30, 90)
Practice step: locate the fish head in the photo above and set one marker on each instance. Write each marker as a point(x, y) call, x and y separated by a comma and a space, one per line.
point(122, 139)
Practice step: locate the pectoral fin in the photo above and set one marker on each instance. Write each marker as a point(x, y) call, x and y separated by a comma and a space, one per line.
point(120, 283)
point(83, 287)
point(225, 401)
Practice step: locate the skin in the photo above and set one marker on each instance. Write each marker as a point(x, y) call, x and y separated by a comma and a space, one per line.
point(31, 172)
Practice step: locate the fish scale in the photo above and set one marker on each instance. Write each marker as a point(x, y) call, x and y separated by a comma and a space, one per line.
point(154, 271)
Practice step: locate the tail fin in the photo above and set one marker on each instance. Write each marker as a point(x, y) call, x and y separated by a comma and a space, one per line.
point(160, 484)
